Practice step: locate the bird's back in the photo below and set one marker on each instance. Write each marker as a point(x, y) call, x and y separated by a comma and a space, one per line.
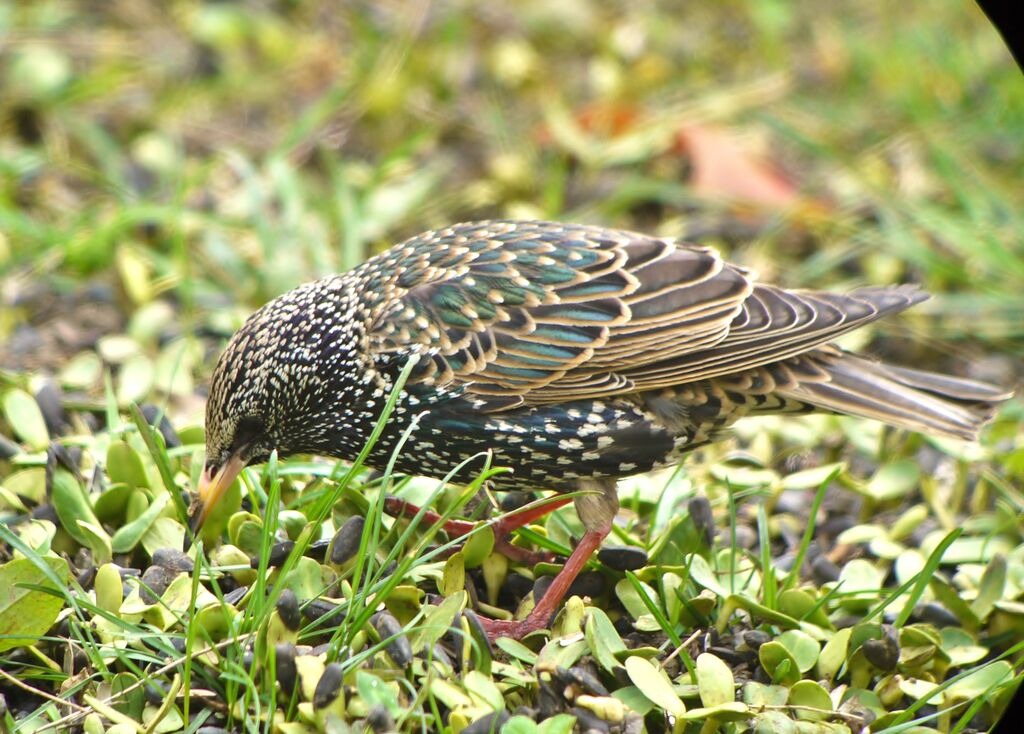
point(570, 347)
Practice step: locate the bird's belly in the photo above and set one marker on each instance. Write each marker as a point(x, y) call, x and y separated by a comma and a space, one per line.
point(546, 447)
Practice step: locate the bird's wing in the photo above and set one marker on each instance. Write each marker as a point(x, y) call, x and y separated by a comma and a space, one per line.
point(539, 312)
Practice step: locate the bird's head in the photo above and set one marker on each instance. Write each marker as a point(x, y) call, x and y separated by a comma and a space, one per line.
point(279, 385)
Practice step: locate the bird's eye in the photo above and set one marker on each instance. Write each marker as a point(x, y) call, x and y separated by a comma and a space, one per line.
point(247, 431)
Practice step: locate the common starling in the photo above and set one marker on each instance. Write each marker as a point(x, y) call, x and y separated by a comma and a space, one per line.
point(576, 354)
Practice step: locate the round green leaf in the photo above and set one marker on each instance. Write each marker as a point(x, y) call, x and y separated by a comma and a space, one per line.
point(715, 681)
point(809, 694)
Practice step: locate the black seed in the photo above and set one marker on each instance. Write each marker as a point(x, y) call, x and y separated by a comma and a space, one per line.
point(288, 610)
point(622, 558)
point(478, 632)
point(399, 647)
point(86, 577)
point(588, 721)
point(835, 525)
point(155, 581)
point(727, 654)
point(284, 660)
point(8, 448)
point(346, 541)
point(322, 609)
point(235, 595)
point(48, 398)
point(173, 560)
point(884, 653)
point(488, 724)
point(279, 553)
point(634, 724)
point(514, 500)
point(379, 719)
point(824, 570)
point(158, 420)
point(700, 512)
point(936, 614)
point(549, 700)
point(155, 692)
point(438, 654)
point(45, 512)
point(517, 585)
point(753, 639)
point(328, 687)
point(317, 550)
point(588, 680)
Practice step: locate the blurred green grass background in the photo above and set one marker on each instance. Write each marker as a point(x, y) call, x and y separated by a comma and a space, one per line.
point(166, 167)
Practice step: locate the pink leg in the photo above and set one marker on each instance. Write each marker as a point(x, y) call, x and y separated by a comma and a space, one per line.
point(548, 604)
point(502, 526)
point(597, 510)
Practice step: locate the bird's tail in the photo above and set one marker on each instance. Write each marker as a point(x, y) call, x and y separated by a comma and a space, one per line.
point(928, 402)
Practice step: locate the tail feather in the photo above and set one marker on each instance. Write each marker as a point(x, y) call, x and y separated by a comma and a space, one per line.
point(922, 401)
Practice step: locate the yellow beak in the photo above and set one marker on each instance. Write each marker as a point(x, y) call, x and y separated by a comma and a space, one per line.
point(212, 489)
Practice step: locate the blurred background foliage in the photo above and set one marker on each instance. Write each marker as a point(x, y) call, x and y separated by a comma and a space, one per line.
point(165, 167)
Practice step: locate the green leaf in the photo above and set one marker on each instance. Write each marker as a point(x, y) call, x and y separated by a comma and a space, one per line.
point(802, 647)
point(833, 654)
point(810, 694)
point(654, 684)
point(124, 465)
point(27, 613)
point(778, 662)
point(128, 536)
point(71, 505)
point(980, 682)
point(603, 639)
point(894, 480)
point(453, 579)
point(990, 590)
point(715, 681)
point(26, 419)
point(561, 724)
point(478, 547)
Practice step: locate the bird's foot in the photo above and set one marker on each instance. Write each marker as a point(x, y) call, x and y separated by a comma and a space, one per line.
point(517, 629)
point(502, 526)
